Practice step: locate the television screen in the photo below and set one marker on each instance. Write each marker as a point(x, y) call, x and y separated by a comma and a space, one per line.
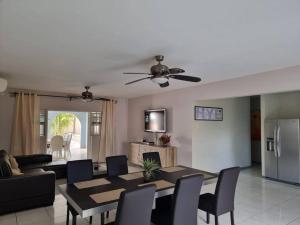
point(155, 120)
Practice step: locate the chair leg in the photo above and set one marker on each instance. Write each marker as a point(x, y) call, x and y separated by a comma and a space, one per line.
point(207, 217)
point(68, 215)
point(232, 217)
point(91, 219)
point(216, 220)
point(74, 218)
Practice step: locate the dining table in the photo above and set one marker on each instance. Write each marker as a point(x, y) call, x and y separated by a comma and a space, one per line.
point(100, 195)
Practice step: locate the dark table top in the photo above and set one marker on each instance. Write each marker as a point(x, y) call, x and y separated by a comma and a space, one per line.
point(85, 206)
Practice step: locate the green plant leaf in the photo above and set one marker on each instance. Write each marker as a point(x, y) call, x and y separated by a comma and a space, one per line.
point(150, 166)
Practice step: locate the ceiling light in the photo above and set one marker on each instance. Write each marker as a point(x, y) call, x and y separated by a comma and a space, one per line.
point(159, 80)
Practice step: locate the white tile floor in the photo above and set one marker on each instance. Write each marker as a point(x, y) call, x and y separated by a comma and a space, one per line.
point(258, 202)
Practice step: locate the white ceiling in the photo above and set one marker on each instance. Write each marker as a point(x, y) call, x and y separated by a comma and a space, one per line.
point(62, 45)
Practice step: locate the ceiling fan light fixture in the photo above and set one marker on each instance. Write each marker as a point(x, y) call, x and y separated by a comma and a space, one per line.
point(3, 84)
point(87, 99)
point(159, 80)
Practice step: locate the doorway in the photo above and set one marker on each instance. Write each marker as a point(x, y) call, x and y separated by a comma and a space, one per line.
point(67, 136)
point(255, 113)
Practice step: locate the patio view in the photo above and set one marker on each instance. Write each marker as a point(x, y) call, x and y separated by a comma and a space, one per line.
point(67, 135)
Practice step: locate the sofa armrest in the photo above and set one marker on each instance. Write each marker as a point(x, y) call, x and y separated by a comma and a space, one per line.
point(32, 184)
point(33, 159)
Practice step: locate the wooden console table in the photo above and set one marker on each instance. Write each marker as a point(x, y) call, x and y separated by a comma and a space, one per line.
point(168, 154)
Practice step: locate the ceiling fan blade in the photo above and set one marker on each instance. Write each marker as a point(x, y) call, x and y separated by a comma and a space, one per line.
point(100, 98)
point(137, 80)
point(176, 70)
point(186, 78)
point(166, 84)
point(136, 73)
point(75, 97)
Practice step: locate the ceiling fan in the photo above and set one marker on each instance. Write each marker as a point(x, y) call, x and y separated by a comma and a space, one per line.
point(160, 74)
point(86, 96)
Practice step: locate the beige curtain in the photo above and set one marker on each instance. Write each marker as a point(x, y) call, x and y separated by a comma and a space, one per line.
point(25, 132)
point(107, 135)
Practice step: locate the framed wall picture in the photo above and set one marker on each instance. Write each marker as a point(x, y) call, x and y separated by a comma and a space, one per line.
point(208, 113)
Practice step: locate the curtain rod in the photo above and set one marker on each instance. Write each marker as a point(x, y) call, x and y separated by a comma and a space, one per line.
point(61, 96)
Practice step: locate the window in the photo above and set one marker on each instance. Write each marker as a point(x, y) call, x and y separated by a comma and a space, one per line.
point(95, 123)
point(42, 124)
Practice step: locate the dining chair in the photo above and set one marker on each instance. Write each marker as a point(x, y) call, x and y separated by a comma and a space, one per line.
point(135, 206)
point(78, 170)
point(223, 200)
point(67, 144)
point(116, 165)
point(184, 203)
point(56, 145)
point(152, 156)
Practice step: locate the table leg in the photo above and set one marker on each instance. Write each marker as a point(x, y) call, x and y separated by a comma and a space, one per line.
point(102, 219)
point(68, 216)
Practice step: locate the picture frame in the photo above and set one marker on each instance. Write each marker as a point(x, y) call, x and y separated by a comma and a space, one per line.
point(205, 113)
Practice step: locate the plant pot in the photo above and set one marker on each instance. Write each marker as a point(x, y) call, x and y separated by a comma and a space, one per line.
point(147, 176)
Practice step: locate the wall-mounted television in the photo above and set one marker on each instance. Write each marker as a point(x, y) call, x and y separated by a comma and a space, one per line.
point(155, 120)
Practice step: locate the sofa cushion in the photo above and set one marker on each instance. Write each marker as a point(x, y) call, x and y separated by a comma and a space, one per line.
point(33, 171)
point(32, 183)
point(46, 166)
point(59, 167)
point(43, 161)
point(28, 160)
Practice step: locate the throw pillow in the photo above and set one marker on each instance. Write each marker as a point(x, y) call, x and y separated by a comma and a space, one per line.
point(14, 166)
point(16, 172)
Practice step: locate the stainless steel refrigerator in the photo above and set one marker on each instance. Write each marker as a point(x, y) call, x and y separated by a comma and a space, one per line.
point(282, 149)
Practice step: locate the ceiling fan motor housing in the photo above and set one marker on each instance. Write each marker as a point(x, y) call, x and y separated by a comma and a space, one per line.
point(87, 95)
point(159, 69)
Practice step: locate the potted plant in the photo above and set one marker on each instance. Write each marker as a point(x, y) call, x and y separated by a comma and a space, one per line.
point(165, 139)
point(150, 169)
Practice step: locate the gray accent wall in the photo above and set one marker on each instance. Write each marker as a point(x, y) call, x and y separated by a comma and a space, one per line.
point(220, 144)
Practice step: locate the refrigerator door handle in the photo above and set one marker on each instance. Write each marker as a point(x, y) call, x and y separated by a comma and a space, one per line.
point(278, 142)
point(275, 141)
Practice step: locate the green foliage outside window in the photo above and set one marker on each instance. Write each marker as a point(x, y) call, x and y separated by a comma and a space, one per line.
point(61, 122)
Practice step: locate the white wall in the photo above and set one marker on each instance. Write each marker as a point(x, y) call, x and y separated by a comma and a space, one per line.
point(121, 126)
point(220, 144)
point(179, 123)
point(6, 120)
point(281, 105)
